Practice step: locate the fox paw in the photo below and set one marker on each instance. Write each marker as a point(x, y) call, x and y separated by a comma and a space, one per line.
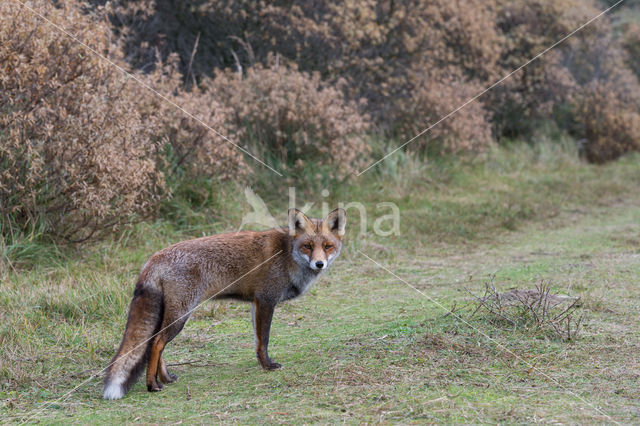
point(154, 387)
point(272, 366)
point(266, 362)
point(171, 378)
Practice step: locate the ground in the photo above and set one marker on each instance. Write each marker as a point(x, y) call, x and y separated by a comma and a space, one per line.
point(362, 346)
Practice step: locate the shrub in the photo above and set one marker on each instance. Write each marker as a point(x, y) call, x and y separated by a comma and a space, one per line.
point(538, 310)
point(194, 150)
point(413, 61)
point(293, 116)
point(531, 95)
point(609, 118)
point(432, 98)
point(73, 148)
point(82, 147)
point(424, 58)
point(631, 43)
point(606, 102)
point(382, 51)
point(584, 85)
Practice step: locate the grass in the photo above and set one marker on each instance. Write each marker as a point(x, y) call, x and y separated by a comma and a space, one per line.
point(362, 346)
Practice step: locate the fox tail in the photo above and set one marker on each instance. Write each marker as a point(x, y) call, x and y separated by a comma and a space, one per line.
point(145, 317)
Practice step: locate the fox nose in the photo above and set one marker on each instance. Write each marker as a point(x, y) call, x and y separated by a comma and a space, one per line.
point(319, 264)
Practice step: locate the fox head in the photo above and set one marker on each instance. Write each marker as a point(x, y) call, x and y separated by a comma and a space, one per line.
point(316, 243)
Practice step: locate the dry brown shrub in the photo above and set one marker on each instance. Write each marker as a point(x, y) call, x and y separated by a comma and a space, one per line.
point(447, 49)
point(293, 116)
point(196, 149)
point(609, 118)
point(432, 98)
point(530, 95)
point(631, 43)
point(73, 149)
point(536, 310)
point(382, 51)
point(412, 60)
point(584, 85)
point(606, 102)
point(82, 147)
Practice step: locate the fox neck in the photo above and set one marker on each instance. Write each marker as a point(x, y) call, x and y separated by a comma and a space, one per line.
point(301, 278)
point(301, 275)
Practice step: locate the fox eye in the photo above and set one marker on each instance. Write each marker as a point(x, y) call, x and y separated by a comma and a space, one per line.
point(308, 246)
point(328, 246)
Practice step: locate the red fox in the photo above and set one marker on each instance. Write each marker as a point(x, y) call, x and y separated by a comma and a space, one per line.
point(263, 268)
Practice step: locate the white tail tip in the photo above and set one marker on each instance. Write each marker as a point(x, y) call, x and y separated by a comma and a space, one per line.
point(113, 391)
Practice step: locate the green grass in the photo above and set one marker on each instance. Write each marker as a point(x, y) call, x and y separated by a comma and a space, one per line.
point(362, 346)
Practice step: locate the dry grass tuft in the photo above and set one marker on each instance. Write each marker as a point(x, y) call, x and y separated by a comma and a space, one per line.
point(536, 310)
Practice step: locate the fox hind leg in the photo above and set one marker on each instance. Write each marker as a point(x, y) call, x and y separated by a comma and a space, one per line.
point(157, 368)
point(152, 368)
point(164, 374)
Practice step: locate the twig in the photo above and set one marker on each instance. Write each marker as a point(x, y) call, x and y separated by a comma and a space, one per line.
point(193, 55)
point(194, 362)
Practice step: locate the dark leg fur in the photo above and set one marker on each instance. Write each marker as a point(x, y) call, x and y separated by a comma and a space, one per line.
point(263, 314)
point(163, 373)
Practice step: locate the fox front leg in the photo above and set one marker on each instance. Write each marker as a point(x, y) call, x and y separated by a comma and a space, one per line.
point(262, 313)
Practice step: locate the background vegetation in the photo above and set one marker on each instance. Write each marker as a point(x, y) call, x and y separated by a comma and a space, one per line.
point(535, 180)
point(306, 86)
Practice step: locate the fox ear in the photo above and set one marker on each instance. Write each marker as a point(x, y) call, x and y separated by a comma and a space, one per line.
point(336, 221)
point(299, 222)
